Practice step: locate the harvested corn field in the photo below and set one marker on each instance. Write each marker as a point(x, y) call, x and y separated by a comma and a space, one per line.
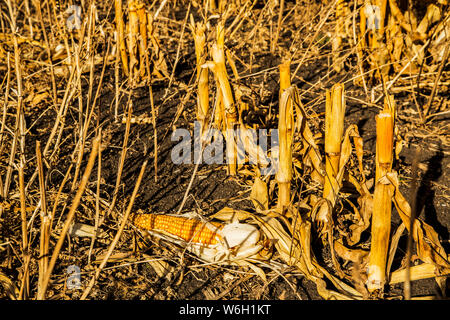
point(221, 150)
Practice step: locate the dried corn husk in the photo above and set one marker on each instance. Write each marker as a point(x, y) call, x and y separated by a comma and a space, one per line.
point(259, 195)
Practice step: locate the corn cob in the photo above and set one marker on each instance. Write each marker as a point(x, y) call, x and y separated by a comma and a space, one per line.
point(190, 230)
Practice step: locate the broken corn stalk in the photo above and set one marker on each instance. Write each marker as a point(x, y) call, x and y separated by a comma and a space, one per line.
point(334, 131)
point(198, 31)
point(226, 96)
point(143, 41)
point(285, 76)
point(381, 216)
point(286, 136)
point(133, 33)
point(339, 32)
point(120, 27)
point(160, 69)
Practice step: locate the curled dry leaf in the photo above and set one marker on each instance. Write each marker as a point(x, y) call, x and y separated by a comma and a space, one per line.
point(365, 212)
point(429, 249)
point(247, 144)
point(346, 292)
point(10, 289)
point(323, 217)
point(35, 99)
point(161, 267)
point(258, 271)
point(259, 195)
point(229, 214)
point(353, 255)
point(115, 257)
point(296, 251)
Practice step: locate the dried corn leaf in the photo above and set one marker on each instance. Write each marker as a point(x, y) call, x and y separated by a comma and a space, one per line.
point(229, 214)
point(259, 195)
point(35, 99)
point(439, 43)
point(310, 150)
point(353, 255)
point(346, 292)
point(429, 248)
point(399, 16)
point(422, 271)
point(10, 289)
point(393, 247)
point(247, 144)
point(115, 257)
point(273, 230)
point(328, 294)
point(433, 15)
point(81, 230)
point(346, 151)
point(258, 271)
point(161, 267)
point(302, 234)
point(296, 251)
point(323, 209)
point(363, 221)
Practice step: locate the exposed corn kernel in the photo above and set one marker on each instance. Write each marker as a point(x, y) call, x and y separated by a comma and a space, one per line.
point(190, 230)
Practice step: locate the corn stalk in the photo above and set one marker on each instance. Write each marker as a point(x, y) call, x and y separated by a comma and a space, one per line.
point(133, 34)
point(198, 31)
point(120, 30)
point(334, 130)
point(381, 216)
point(286, 135)
point(226, 95)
